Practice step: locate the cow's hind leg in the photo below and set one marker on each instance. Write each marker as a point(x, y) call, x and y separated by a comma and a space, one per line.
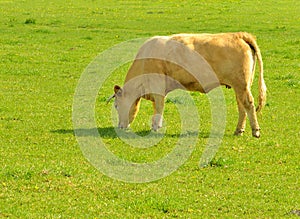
point(247, 101)
point(158, 105)
point(240, 128)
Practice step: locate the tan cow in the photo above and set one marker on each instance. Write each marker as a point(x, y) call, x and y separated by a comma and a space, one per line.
point(195, 62)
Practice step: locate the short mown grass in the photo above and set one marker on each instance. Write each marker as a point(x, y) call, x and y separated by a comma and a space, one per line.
point(44, 48)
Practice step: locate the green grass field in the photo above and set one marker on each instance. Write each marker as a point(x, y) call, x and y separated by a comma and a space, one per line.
point(45, 46)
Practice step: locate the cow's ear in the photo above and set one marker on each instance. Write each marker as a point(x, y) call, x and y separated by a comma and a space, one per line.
point(117, 89)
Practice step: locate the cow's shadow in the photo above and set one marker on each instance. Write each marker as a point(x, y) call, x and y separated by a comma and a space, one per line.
point(111, 133)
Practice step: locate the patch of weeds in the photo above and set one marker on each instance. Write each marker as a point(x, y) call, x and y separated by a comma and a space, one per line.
point(292, 83)
point(18, 174)
point(67, 174)
point(220, 162)
point(281, 27)
point(65, 171)
point(85, 26)
point(179, 100)
point(284, 77)
point(288, 79)
point(30, 21)
point(10, 119)
point(160, 205)
point(44, 31)
point(87, 38)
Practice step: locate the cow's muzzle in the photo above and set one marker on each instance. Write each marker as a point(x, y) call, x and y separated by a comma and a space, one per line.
point(123, 126)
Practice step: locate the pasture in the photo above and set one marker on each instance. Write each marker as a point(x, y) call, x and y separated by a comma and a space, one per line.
point(45, 46)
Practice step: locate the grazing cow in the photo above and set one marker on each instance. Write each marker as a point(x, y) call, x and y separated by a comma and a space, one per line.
point(222, 59)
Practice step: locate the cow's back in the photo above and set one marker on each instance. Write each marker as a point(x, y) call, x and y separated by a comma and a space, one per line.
point(225, 53)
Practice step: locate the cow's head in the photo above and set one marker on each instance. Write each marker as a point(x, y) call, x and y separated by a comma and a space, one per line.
point(127, 106)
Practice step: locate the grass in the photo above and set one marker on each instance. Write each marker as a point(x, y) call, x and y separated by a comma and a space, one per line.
point(45, 46)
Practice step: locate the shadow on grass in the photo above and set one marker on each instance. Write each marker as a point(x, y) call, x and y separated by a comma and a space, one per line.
point(110, 132)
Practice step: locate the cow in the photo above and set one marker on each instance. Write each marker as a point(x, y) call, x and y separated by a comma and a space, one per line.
point(226, 59)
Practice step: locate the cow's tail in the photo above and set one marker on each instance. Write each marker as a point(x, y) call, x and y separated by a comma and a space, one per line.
point(250, 40)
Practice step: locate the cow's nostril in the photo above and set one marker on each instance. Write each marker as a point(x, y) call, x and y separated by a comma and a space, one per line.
point(122, 126)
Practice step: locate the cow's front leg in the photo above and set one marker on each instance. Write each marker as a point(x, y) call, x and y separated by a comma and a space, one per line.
point(158, 106)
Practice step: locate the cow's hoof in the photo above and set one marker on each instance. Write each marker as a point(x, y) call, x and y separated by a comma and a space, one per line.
point(256, 133)
point(239, 132)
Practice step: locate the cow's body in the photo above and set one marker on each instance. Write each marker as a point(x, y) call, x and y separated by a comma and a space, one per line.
point(230, 56)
